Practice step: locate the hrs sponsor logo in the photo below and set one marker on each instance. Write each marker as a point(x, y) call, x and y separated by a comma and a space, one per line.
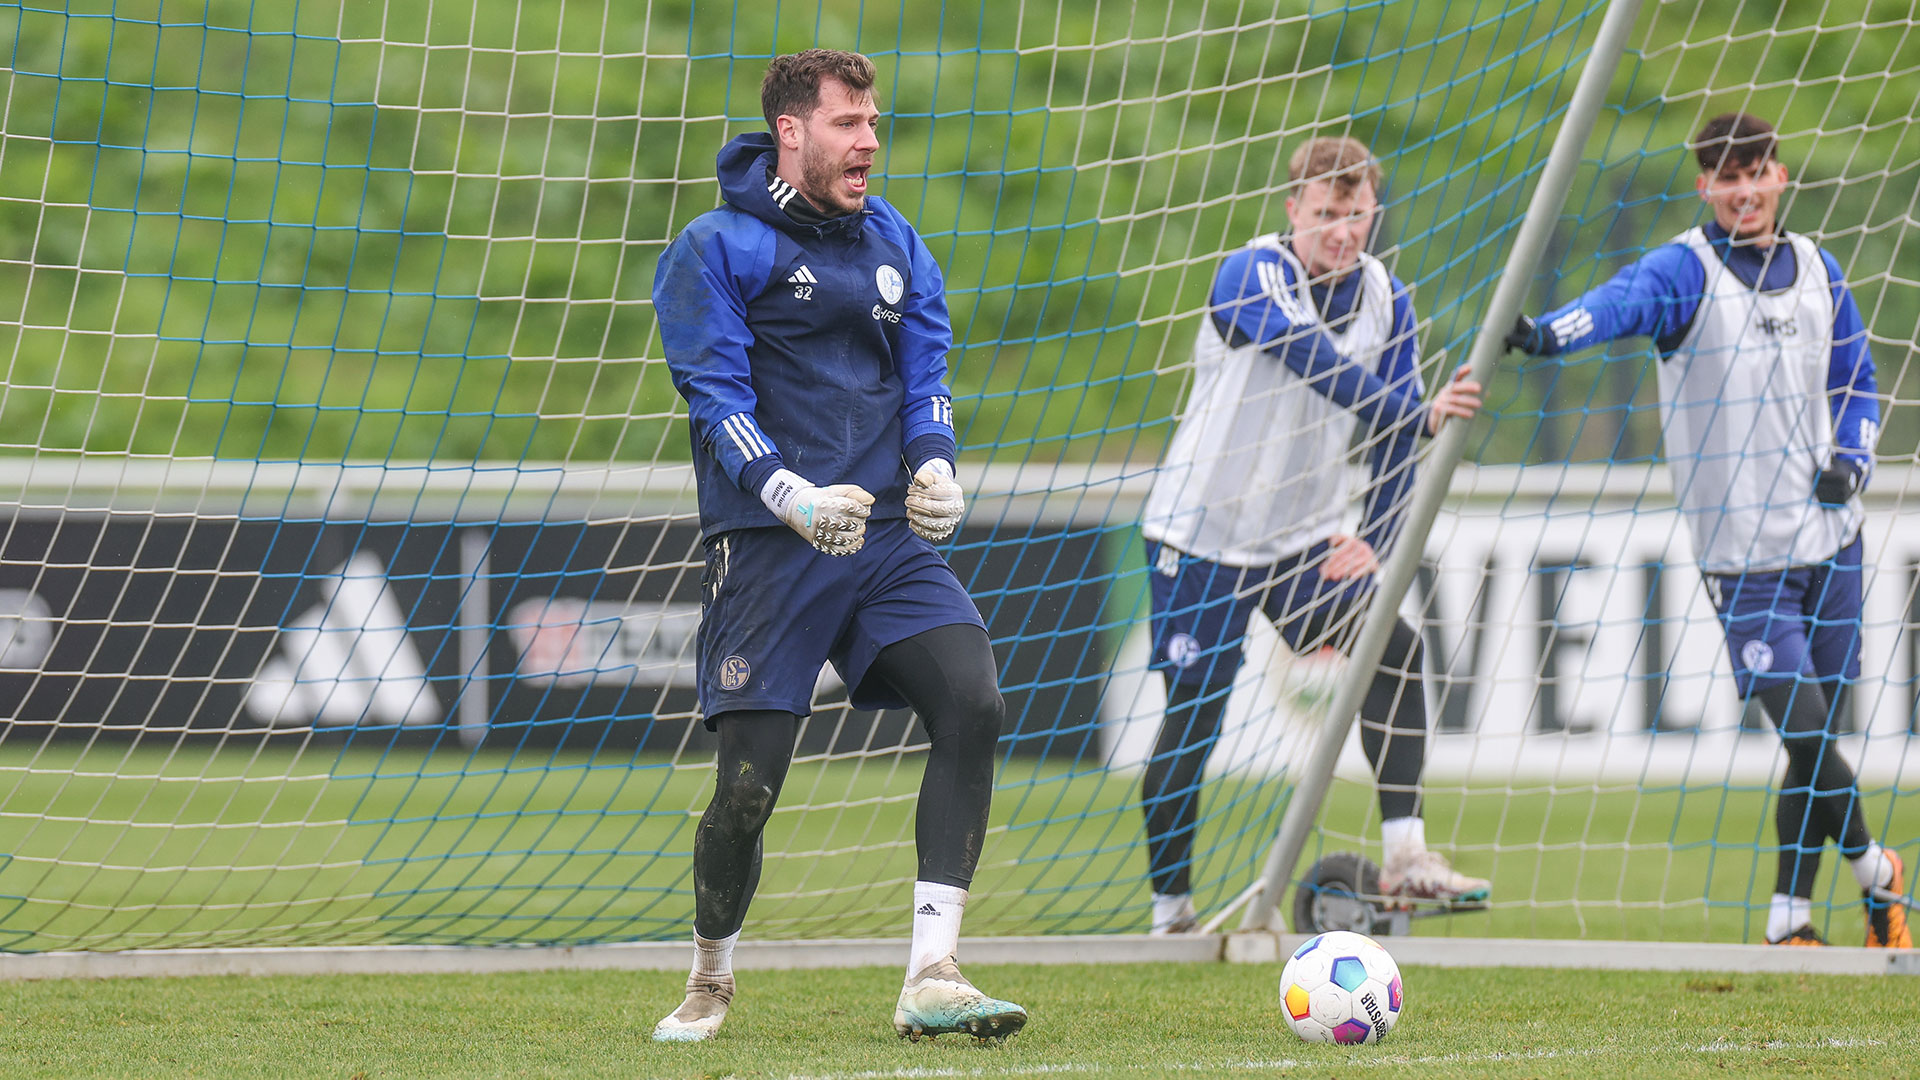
point(1773, 327)
point(885, 314)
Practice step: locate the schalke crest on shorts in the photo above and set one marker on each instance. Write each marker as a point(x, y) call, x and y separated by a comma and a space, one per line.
point(733, 673)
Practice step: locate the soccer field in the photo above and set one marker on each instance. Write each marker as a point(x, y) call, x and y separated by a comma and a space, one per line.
point(114, 847)
point(1122, 1021)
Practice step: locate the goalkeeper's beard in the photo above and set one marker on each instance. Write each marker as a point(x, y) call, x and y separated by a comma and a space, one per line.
point(820, 178)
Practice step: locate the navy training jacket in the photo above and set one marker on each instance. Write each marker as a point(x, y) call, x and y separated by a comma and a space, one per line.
point(822, 348)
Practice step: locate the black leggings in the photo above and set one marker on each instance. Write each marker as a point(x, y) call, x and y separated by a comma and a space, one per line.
point(947, 675)
point(1819, 797)
point(1393, 732)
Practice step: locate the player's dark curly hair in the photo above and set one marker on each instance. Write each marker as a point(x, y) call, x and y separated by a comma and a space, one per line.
point(1746, 139)
point(792, 83)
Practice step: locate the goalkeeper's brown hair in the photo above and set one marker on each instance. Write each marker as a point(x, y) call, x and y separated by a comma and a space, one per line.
point(791, 86)
point(1337, 159)
point(1744, 138)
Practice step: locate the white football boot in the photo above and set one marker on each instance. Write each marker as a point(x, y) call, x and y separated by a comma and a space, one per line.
point(939, 1000)
point(699, 1016)
point(1174, 915)
point(1427, 875)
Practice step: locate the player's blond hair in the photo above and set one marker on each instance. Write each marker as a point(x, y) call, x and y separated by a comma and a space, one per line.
point(1339, 160)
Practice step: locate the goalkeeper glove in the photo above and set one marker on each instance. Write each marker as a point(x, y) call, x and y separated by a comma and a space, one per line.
point(832, 519)
point(934, 502)
point(1837, 483)
point(1527, 336)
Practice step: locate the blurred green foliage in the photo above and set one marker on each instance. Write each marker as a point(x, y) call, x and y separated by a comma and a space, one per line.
point(389, 229)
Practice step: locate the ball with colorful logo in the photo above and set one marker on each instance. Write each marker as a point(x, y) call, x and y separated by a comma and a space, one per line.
point(1341, 987)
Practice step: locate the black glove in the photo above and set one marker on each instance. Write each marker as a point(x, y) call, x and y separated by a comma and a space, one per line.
point(1527, 336)
point(1836, 483)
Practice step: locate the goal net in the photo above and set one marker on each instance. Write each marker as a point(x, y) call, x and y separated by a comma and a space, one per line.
point(349, 567)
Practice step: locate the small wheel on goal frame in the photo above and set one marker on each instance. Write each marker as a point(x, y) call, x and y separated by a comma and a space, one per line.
point(1340, 892)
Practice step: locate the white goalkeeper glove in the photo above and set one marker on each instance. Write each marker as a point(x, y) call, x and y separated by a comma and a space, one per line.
point(833, 519)
point(934, 502)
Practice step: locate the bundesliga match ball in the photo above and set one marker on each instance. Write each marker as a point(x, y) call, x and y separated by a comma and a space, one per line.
point(1341, 987)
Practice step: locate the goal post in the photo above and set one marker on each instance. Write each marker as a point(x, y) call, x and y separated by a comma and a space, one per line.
point(349, 573)
point(1397, 573)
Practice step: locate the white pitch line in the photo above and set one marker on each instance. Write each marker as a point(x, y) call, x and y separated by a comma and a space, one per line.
point(1356, 1062)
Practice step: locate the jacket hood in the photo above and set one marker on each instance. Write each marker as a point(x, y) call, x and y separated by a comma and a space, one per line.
point(743, 165)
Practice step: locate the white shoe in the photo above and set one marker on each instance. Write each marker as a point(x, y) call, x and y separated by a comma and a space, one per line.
point(699, 1016)
point(1427, 875)
point(1180, 918)
point(940, 1000)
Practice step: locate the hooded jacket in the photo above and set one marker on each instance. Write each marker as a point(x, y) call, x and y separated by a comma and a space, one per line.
point(821, 348)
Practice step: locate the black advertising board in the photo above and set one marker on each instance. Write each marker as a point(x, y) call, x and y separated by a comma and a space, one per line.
point(551, 633)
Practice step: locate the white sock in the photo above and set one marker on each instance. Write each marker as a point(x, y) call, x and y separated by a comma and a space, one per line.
point(1872, 868)
point(1170, 908)
point(1403, 836)
point(936, 924)
point(1787, 914)
point(714, 956)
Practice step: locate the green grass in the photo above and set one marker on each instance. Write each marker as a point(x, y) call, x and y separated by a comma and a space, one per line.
point(1124, 1021)
point(113, 847)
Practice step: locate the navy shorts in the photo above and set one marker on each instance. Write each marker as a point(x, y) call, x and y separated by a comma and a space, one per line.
point(1801, 622)
point(1201, 608)
point(773, 610)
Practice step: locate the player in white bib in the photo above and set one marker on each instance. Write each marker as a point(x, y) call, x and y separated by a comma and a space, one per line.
point(1307, 342)
point(1769, 414)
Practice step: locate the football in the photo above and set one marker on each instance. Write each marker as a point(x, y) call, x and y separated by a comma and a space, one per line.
point(1340, 987)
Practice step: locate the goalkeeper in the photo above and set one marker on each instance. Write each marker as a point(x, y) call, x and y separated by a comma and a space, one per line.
point(1769, 420)
point(1307, 338)
point(805, 323)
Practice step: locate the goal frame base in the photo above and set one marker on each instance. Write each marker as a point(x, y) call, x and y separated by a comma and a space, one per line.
point(1241, 947)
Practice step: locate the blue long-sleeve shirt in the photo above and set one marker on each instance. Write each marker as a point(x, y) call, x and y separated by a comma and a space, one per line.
point(818, 347)
point(1765, 382)
point(1659, 297)
point(1256, 469)
point(1385, 398)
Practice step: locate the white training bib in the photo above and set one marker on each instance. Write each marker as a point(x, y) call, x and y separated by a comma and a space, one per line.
point(1258, 467)
point(1745, 418)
